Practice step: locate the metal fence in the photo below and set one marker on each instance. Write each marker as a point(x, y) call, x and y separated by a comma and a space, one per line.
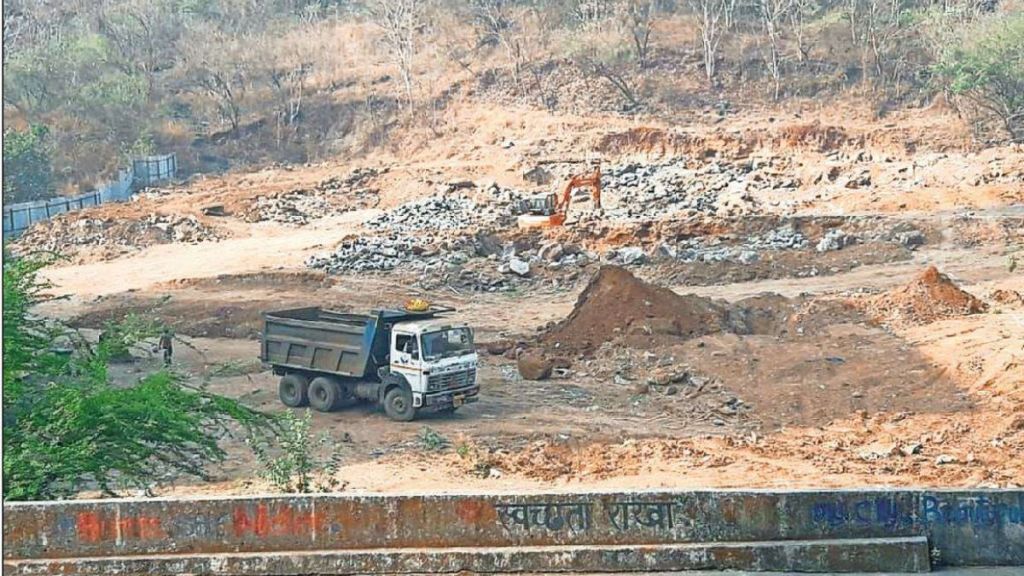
point(144, 172)
point(153, 169)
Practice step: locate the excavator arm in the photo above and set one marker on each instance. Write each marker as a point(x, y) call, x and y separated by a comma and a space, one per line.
point(591, 180)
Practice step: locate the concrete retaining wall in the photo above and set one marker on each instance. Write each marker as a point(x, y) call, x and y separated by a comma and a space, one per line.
point(983, 527)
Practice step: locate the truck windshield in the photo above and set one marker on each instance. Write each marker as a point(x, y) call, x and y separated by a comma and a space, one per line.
point(447, 343)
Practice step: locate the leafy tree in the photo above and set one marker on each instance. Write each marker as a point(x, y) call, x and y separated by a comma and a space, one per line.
point(27, 171)
point(67, 426)
point(985, 70)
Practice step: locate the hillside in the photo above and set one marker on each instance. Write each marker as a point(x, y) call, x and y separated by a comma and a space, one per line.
point(231, 83)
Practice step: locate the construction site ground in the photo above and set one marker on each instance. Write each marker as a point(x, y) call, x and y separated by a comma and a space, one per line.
point(855, 365)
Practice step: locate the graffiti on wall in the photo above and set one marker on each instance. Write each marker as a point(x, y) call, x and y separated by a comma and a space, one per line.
point(927, 510)
point(670, 518)
point(577, 516)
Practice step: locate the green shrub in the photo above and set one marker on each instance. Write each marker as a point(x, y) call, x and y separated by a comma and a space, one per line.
point(27, 171)
point(293, 467)
point(432, 440)
point(985, 70)
point(67, 427)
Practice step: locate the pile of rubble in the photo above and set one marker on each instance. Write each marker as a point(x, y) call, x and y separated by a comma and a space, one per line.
point(67, 234)
point(443, 213)
point(368, 254)
point(710, 250)
point(480, 263)
point(636, 192)
point(749, 249)
point(294, 208)
point(331, 197)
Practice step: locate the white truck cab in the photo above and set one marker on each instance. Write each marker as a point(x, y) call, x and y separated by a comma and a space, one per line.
point(438, 360)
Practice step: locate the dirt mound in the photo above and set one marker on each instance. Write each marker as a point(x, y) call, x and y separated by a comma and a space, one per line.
point(550, 460)
point(929, 297)
point(277, 280)
point(616, 303)
point(1008, 297)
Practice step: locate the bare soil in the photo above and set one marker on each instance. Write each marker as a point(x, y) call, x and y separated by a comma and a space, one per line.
point(875, 364)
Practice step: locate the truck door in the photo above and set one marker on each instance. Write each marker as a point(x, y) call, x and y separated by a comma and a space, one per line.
point(406, 358)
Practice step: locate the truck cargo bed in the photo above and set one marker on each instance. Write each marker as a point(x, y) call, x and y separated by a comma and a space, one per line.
point(314, 339)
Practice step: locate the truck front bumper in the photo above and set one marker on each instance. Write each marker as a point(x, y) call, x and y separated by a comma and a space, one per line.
point(447, 399)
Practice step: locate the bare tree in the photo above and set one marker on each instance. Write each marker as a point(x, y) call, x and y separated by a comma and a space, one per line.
point(878, 26)
point(773, 14)
point(591, 13)
point(497, 25)
point(14, 25)
point(640, 21)
point(289, 85)
point(712, 18)
point(144, 32)
point(798, 15)
point(400, 20)
point(596, 67)
point(219, 66)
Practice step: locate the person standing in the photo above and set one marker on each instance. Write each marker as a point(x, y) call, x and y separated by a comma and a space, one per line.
point(166, 346)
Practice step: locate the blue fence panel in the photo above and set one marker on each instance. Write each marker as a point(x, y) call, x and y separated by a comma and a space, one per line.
point(146, 171)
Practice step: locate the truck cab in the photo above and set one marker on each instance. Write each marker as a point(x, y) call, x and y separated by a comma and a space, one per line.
point(437, 359)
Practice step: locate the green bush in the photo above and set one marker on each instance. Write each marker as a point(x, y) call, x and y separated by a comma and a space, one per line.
point(27, 171)
point(67, 427)
point(294, 468)
point(985, 70)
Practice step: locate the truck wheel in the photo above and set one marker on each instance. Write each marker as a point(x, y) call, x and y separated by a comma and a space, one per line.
point(294, 390)
point(324, 394)
point(398, 405)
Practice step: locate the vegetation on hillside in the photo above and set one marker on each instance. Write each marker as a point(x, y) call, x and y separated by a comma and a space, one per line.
point(225, 82)
point(68, 427)
point(26, 161)
point(984, 68)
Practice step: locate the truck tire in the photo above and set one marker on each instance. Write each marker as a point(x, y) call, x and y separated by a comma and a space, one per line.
point(324, 394)
point(293, 390)
point(398, 405)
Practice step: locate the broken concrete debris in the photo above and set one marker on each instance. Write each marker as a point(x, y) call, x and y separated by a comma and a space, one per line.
point(331, 197)
point(834, 239)
point(66, 234)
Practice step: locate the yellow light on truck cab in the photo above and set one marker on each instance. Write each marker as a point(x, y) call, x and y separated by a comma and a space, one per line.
point(417, 305)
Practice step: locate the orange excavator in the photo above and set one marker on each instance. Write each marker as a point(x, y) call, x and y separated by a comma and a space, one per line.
point(551, 209)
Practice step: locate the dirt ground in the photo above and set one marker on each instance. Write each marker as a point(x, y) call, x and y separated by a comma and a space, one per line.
point(803, 368)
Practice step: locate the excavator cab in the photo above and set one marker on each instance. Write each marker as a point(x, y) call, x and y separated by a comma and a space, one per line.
point(540, 205)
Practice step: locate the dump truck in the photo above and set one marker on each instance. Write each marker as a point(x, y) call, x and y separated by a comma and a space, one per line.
point(407, 361)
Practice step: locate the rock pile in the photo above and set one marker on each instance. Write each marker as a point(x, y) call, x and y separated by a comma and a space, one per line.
point(444, 213)
point(333, 196)
point(294, 208)
point(480, 263)
point(711, 250)
point(652, 191)
point(67, 234)
point(835, 239)
point(367, 254)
